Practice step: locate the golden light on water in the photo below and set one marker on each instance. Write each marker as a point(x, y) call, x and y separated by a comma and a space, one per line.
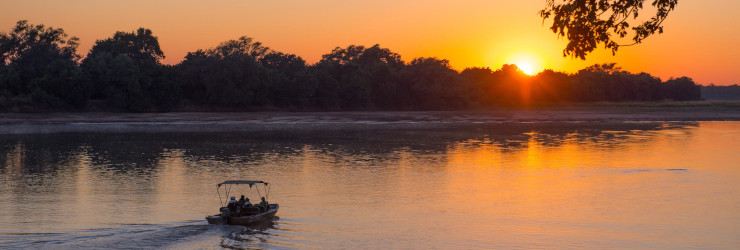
point(501, 187)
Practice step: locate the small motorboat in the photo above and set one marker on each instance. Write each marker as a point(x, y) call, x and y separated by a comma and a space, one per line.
point(234, 214)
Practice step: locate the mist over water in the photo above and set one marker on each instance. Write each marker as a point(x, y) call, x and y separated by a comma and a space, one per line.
point(509, 185)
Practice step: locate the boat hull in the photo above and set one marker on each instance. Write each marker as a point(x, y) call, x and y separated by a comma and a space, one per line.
point(244, 220)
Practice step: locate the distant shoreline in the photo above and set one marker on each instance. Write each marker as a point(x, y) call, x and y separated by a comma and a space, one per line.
point(35, 123)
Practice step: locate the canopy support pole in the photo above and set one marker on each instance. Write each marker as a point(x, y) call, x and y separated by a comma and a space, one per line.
point(267, 192)
point(218, 192)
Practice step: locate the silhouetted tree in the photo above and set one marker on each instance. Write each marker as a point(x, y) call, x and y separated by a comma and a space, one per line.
point(352, 89)
point(344, 55)
point(41, 62)
point(608, 82)
point(511, 86)
point(586, 24)
point(481, 87)
point(242, 46)
point(551, 87)
point(228, 75)
point(118, 81)
point(382, 68)
point(126, 72)
point(431, 84)
point(140, 45)
point(714, 92)
point(288, 64)
point(63, 84)
point(292, 85)
point(682, 89)
point(366, 78)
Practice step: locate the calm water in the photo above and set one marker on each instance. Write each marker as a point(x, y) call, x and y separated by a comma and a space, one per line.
point(626, 185)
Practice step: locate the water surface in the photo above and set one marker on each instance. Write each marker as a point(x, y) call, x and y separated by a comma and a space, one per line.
point(509, 185)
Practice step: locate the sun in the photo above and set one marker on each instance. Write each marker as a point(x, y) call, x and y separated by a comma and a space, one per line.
point(529, 63)
point(526, 68)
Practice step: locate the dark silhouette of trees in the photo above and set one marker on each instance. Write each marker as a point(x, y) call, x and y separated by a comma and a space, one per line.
point(508, 86)
point(682, 89)
point(140, 45)
point(481, 86)
point(40, 63)
point(552, 87)
point(597, 83)
point(359, 78)
point(228, 76)
point(431, 84)
point(512, 86)
point(292, 86)
point(713, 92)
point(126, 72)
point(607, 82)
point(586, 24)
point(40, 70)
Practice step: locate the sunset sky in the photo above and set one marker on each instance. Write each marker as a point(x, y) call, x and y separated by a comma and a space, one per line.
point(700, 39)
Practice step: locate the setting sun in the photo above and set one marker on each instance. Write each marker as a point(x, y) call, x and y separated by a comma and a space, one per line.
point(529, 63)
point(526, 68)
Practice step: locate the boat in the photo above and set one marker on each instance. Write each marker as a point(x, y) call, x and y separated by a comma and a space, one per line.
point(244, 215)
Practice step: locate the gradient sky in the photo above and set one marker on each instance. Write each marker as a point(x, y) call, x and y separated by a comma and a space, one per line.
point(700, 39)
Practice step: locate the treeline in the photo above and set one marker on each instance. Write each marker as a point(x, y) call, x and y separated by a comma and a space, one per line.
point(713, 92)
point(42, 71)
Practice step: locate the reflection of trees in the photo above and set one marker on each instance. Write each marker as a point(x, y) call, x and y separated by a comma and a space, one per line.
point(599, 135)
point(140, 153)
point(37, 154)
point(123, 152)
point(49, 154)
point(130, 163)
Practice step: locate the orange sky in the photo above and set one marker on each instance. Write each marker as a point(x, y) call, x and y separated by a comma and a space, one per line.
point(700, 37)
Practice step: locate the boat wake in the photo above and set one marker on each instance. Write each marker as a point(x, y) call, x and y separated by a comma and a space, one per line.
point(189, 235)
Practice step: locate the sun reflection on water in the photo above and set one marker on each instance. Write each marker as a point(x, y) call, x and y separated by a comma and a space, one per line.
point(655, 185)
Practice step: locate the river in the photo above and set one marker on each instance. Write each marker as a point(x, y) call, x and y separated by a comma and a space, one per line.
point(505, 185)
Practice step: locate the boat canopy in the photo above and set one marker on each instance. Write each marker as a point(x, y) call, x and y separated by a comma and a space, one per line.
point(237, 182)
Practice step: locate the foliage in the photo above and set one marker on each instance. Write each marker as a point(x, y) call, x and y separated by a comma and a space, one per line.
point(243, 46)
point(126, 72)
point(713, 92)
point(682, 89)
point(361, 78)
point(117, 80)
point(41, 62)
point(227, 76)
point(586, 24)
point(27, 41)
point(62, 84)
point(431, 84)
point(123, 72)
point(607, 82)
point(140, 45)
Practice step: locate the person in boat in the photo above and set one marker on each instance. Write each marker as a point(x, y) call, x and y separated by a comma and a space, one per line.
point(247, 203)
point(241, 202)
point(264, 202)
point(232, 204)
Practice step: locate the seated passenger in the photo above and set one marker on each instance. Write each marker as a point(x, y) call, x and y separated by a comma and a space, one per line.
point(241, 202)
point(264, 203)
point(232, 204)
point(247, 203)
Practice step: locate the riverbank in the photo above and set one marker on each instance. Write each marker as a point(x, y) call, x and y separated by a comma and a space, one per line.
point(22, 123)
